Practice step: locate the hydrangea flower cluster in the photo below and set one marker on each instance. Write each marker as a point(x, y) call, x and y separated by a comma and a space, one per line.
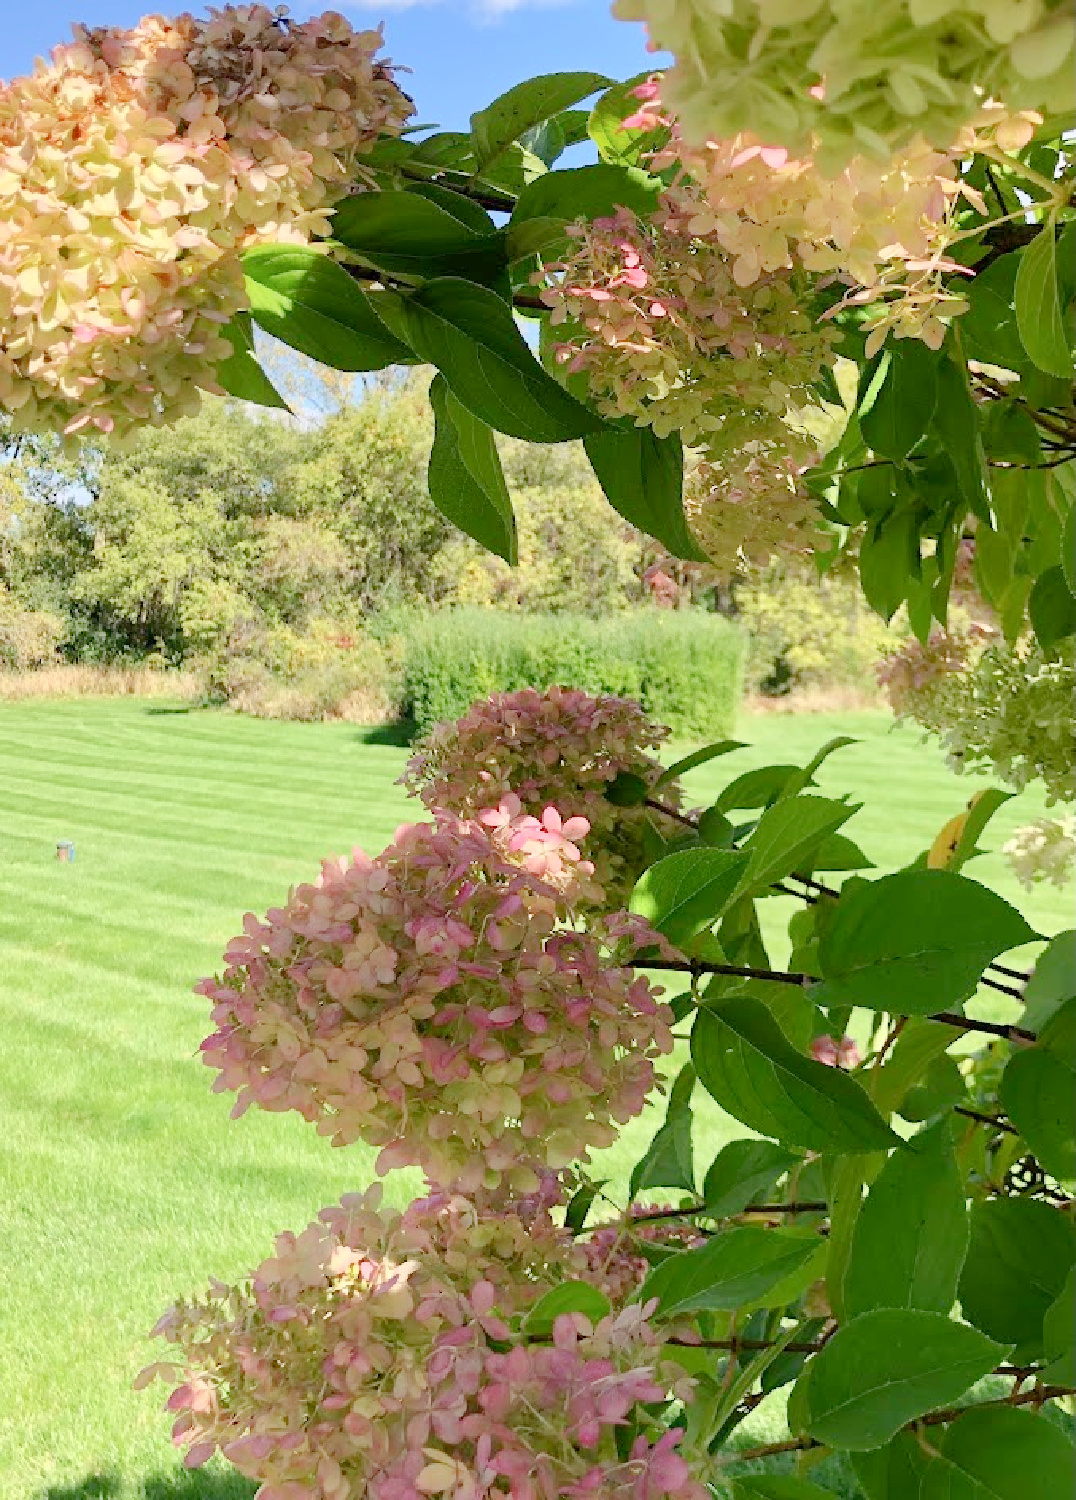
point(382, 1355)
point(882, 227)
point(561, 747)
point(134, 170)
point(436, 1003)
point(614, 1256)
point(652, 314)
point(1044, 850)
point(750, 504)
point(917, 666)
point(1008, 707)
point(856, 79)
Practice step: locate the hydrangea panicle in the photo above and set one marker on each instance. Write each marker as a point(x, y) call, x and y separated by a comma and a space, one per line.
point(856, 78)
point(382, 1355)
point(437, 1003)
point(1042, 851)
point(135, 168)
point(562, 747)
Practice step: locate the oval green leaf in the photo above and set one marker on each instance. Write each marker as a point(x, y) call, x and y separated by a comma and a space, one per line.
point(888, 1367)
point(744, 1060)
point(914, 942)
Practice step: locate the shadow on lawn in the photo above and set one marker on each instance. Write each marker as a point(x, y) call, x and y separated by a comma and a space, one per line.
point(398, 732)
point(182, 1484)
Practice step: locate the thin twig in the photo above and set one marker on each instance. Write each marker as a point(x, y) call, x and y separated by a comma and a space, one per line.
point(671, 812)
point(1034, 1397)
point(734, 971)
point(992, 1028)
point(994, 1120)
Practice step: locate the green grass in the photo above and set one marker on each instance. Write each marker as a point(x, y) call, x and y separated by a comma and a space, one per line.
point(122, 1181)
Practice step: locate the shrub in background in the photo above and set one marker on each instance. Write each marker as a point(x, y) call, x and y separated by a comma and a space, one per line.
point(28, 637)
point(685, 667)
point(331, 671)
point(806, 631)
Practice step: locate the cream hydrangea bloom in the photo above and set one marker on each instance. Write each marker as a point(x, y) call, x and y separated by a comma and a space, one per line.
point(135, 167)
point(854, 77)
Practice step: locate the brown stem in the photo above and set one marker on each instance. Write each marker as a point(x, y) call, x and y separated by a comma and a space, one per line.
point(671, 812)
point(790, 1445)
point(1034, 1397)
point(696, 966)
point(992, 1028)
point(734, 971)
point(995, 1120)
point(701, 1210)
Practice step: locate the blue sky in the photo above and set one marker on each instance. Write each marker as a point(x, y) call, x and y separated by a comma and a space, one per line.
point(462, 53)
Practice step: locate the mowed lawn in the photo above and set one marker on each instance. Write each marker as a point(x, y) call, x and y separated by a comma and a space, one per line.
point(123, 1183)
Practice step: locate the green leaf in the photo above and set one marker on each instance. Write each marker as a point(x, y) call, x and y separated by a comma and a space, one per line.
point(306, 300)
point(1040, 314)
point(697, 758)
point(1059, 1336)
point(1019, 1255)
point(550, 202)
point(469, 333)
point(1052, 607)
point(687, 891)
point(777, 1487)
point(901, 390)
point(569, 1297)
point(785, 836)
point(669, 1160)
point(409, 235)
point(742, 1171)
point(1001, 1453)
point(956, 425)
point(465, 478)
point(1052, 982)
point(580, 1204)
point(740, 1265)
point(1038, 1093)
point(982, 809)
point(892, 1472)
point(745, 1062)
point(1068, 550)
point(988, 329)
point(914, 942)
point(643, 479)
point(240, 374)
point(918, 1044)
point(911, 1234)
point(941, 1086)
point(469, 213)
point(888, 561)
point(756, 788)
point(606, 129)
point(526, 105)
point(886, 1368)
point(837, 852)
point(627, 790)
point(447, 148)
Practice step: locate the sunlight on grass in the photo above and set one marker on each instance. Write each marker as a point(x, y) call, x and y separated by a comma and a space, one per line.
point(123, 1183)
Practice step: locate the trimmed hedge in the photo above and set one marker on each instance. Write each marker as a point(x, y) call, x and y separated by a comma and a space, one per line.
point(684, 667)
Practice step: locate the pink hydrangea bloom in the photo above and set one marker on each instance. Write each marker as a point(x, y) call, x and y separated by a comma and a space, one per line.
point(438, 1003)
point(842, 1054)
point(561, 747)
point(380, 1356)
point(916, 666)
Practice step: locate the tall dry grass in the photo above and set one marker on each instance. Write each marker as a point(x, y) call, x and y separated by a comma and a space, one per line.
point(85, 681)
